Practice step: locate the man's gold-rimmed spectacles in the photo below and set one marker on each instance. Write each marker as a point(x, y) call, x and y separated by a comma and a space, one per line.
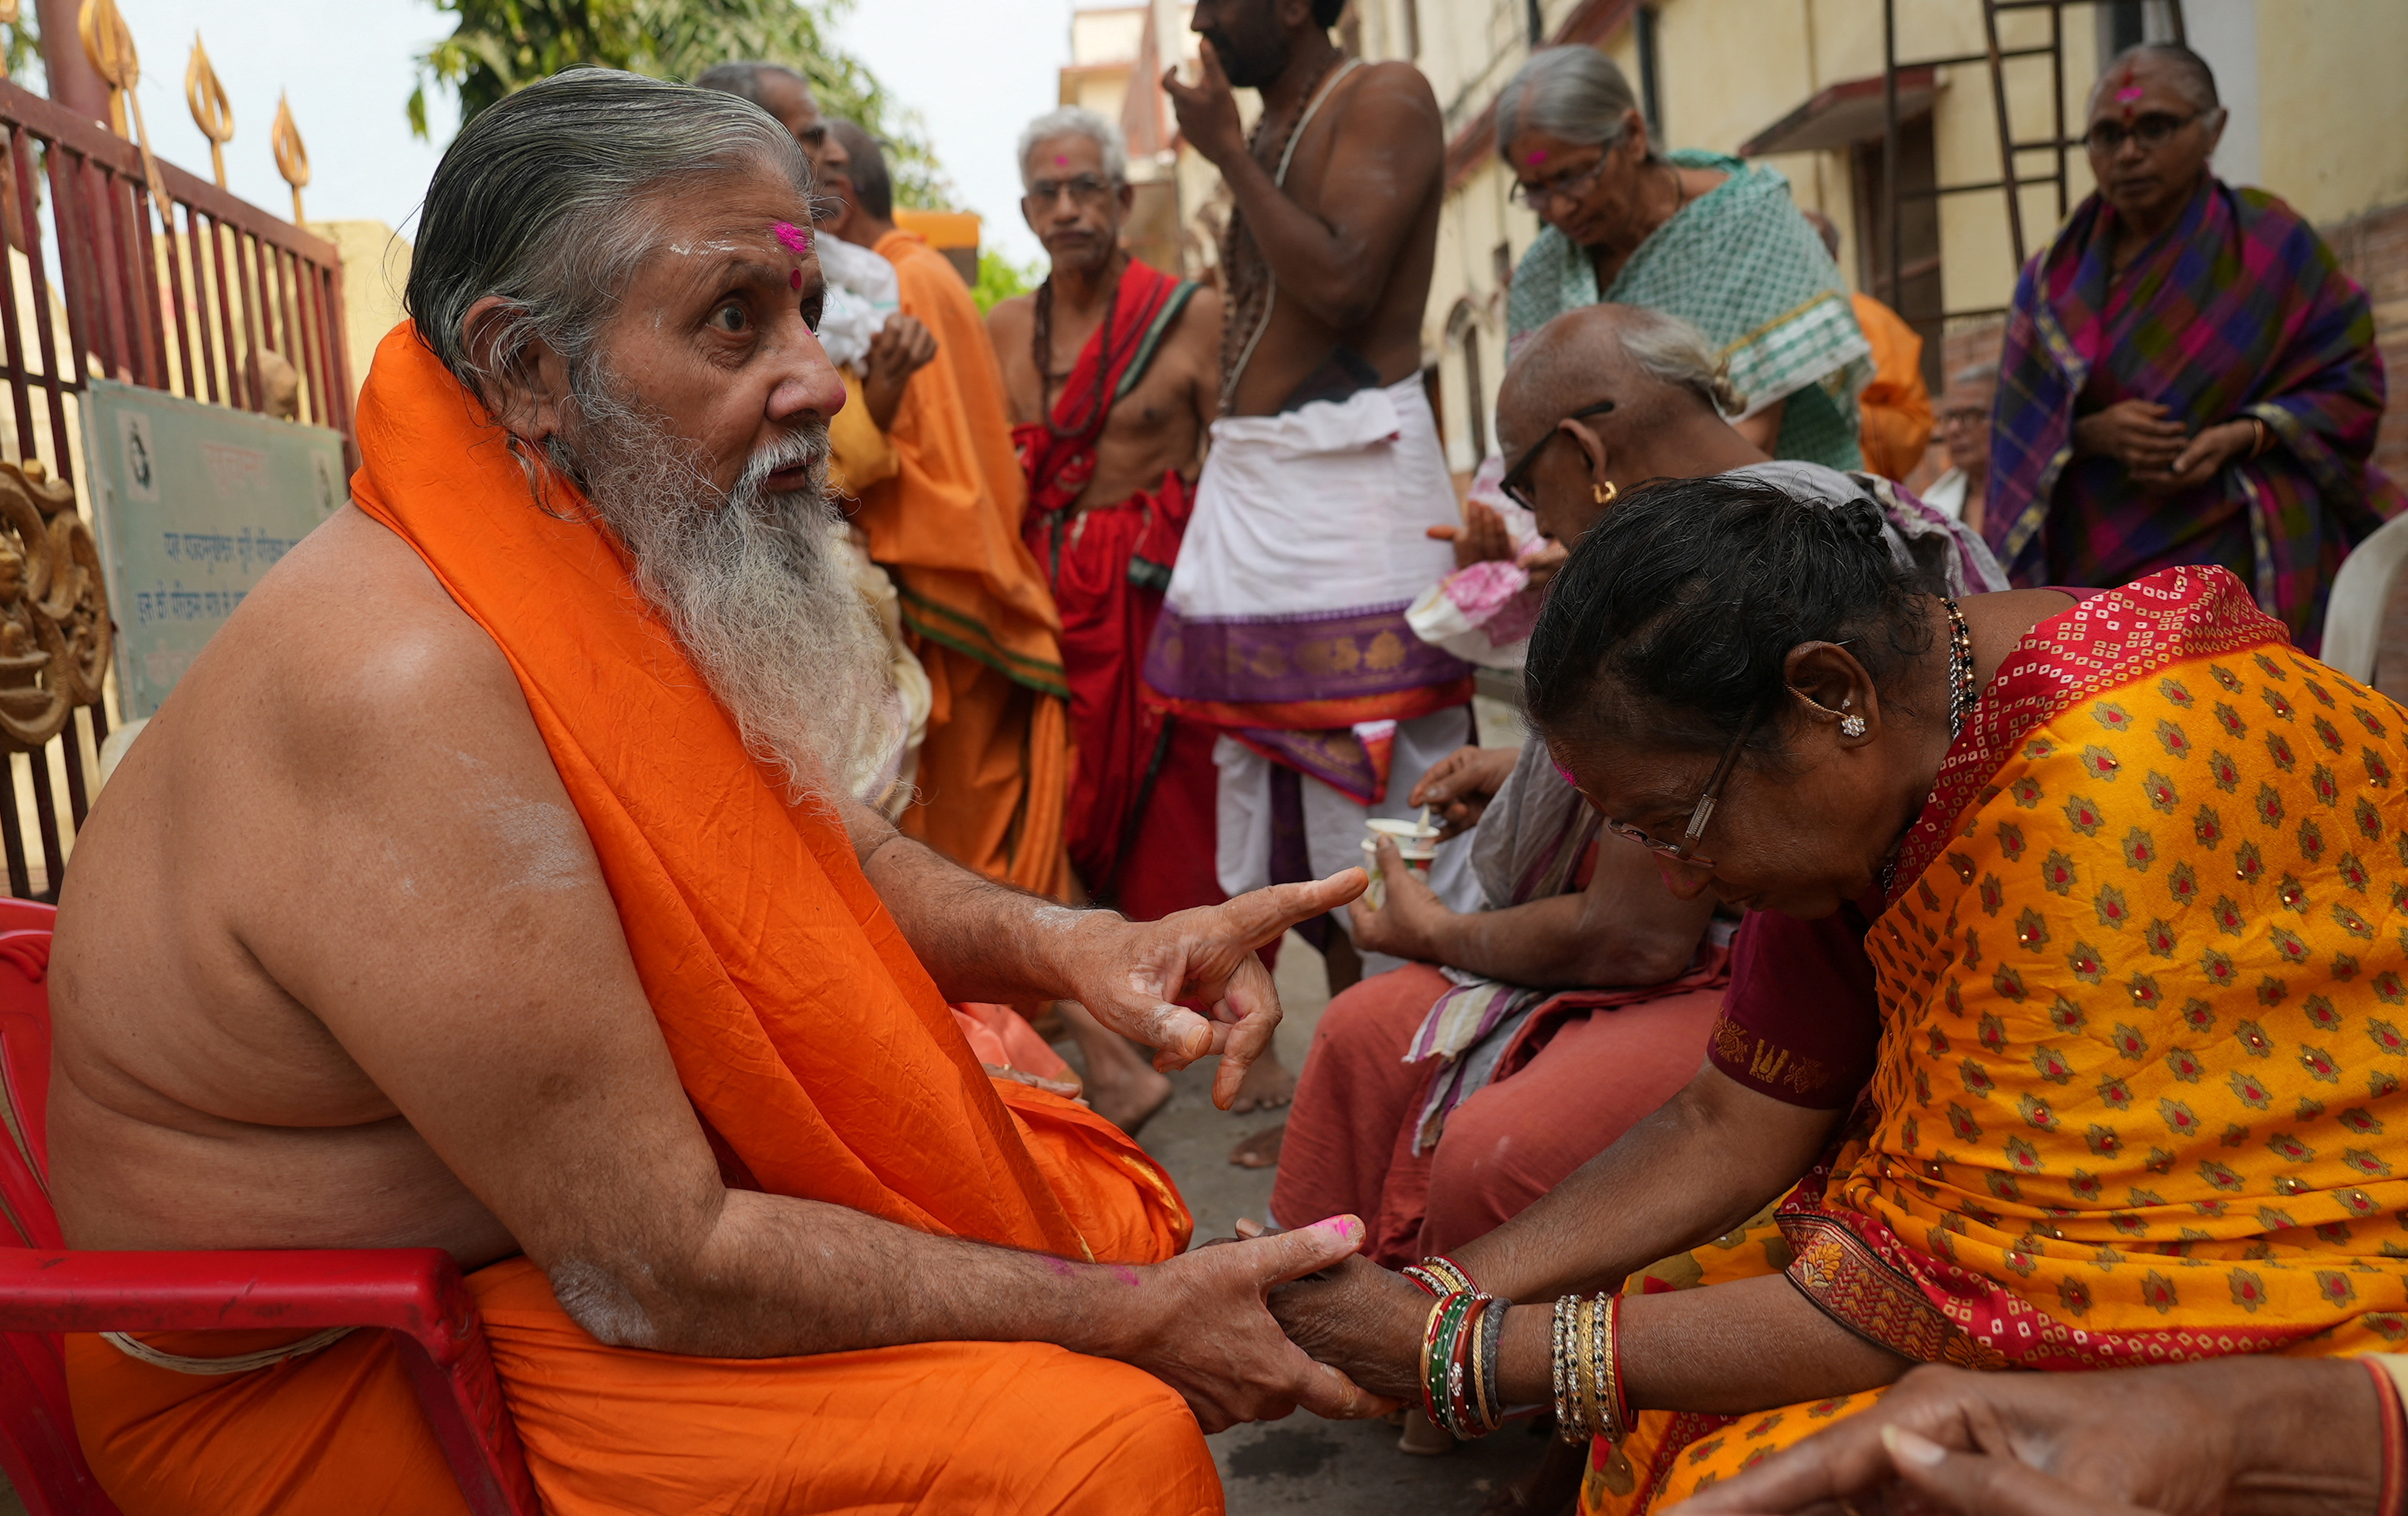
point(1084, 189)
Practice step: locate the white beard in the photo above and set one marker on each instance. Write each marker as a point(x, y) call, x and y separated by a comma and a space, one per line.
point(753, 585)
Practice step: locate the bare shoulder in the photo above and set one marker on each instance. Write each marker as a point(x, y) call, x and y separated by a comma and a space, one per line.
point(1011, 320)
point(1391, 91)
point(353, 640)
point(1198, 326)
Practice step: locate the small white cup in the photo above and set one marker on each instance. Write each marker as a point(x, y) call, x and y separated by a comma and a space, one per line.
point(1416, 842)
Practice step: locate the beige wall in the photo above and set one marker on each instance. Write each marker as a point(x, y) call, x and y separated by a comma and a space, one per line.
point(376, 267)
point(2333, 105)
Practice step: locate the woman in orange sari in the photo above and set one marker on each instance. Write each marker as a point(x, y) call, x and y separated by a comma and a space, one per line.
point(2138, 958)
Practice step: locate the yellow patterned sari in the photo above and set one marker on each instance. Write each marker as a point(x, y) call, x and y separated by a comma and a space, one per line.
point(2144, 986)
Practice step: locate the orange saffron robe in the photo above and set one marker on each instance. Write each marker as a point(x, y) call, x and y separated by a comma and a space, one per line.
point(995, 772)
point(2144, 990)
point(817, 1052)
point(1894, 413)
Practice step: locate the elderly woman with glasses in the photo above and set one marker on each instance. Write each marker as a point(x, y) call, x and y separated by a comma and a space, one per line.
point(2137, 1092)
point(2190, 378)
point(1705, 238)
point(1557, 997)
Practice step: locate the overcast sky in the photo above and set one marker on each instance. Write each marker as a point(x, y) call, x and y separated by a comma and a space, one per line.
point(976, 70)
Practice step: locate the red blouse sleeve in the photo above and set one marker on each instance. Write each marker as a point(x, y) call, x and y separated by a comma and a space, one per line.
point(1800, 1022)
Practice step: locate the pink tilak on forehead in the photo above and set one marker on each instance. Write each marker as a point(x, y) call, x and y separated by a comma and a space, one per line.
point(1060, 162)
point(1538, 155)
point(797, 242)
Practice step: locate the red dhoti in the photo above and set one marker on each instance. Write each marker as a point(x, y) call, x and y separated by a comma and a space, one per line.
point(1141, 828)
point(1350, 1139)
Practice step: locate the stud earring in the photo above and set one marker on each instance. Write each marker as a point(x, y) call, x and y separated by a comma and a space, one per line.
point(1604, 493)
point(1852, 724)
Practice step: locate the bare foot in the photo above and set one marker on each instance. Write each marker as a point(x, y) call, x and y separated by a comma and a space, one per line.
point(1262, 1150)
point(1268, 1084)
point(1122, 1084)
point(1130, 1103)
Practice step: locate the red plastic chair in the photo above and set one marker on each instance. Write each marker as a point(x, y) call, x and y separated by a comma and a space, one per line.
point(416, 1294)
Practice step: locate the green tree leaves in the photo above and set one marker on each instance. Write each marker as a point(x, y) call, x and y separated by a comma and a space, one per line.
point(498, 47)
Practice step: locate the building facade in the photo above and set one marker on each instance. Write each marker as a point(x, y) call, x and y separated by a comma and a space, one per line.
point(2316, 115)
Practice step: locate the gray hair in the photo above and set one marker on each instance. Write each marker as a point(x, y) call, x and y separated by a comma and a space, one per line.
point(1679, 355)
point(2192, 75)
point(1078, 120)
point(544, 200)
point(742, 78)
point(1576, 93)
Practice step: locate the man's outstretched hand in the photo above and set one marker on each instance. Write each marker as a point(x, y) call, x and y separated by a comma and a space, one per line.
point(1214, 1340)
point(1189, 985)
point(2256, 1434)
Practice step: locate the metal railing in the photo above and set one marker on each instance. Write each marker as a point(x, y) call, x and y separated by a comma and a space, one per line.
point(189, 297)
point(2012, 181)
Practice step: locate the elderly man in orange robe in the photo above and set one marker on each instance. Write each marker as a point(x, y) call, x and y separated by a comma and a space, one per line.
point(995, 771)
point(497, 881)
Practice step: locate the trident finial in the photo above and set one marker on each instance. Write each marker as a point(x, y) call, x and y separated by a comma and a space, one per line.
point(109, 45)
point(291, 158)
point(212, 112)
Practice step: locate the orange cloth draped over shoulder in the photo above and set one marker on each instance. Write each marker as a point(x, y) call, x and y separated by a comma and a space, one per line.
point(1894, 413)
point(2142, 1088)
point(995, 772)
point(816, 1051)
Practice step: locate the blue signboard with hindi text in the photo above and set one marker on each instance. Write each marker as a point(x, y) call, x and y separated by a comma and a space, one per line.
point(194, 502)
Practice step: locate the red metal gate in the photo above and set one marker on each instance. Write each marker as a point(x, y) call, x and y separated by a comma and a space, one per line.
point(189, 311)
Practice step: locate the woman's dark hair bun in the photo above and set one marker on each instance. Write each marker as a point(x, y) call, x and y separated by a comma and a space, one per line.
point(1673, 621)
point(1863, 518)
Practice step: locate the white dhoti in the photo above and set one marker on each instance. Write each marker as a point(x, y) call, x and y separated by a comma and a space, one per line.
point(1284, 621)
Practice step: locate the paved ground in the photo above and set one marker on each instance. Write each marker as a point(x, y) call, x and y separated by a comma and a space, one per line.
point(1342, 1468)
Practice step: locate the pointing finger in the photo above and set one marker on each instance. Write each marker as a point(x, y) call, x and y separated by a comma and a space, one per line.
point(1260, 916)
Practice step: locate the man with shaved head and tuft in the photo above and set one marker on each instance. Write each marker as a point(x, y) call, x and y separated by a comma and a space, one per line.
point(499, 881)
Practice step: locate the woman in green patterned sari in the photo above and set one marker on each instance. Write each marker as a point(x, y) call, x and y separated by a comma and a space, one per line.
point(1705, 238)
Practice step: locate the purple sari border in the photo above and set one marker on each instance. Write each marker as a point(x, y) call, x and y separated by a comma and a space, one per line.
point(1339, 759)
point(1263, 659)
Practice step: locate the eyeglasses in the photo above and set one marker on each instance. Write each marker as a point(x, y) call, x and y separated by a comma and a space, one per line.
point(2152, 130)
point(1538, 197)
point(1516, 483)
point(1966, 416)
point(1085, 190)
point(1685, 851)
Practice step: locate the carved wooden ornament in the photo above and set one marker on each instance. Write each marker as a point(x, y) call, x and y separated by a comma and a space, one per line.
point(55, 637)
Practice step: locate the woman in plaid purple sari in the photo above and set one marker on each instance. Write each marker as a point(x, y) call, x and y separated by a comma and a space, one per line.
point(2190, 378)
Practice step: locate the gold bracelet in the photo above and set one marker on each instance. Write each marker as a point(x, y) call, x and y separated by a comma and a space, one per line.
point(1612, 1430)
